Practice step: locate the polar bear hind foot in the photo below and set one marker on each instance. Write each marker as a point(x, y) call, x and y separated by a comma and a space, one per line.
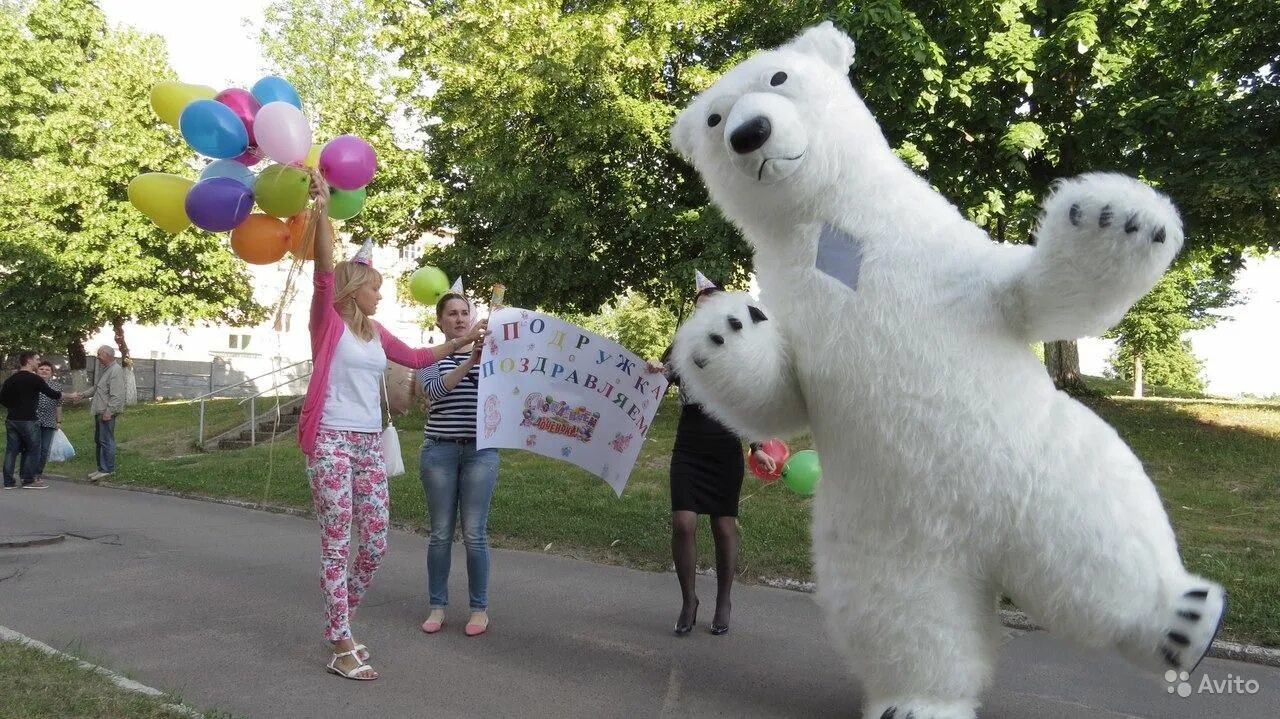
point(921, 709)
point(1198, 616)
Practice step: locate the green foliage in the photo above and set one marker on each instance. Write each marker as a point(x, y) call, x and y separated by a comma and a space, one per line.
point(1183, 300)
point(549, 133)
point(633, 322)
point(330, 51)
point(75, 127)
point(1175, 367)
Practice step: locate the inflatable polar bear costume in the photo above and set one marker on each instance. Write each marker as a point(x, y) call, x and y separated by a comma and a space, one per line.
point(954, 471)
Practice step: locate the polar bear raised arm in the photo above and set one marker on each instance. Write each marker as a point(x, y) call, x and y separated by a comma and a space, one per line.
point(1103, 242)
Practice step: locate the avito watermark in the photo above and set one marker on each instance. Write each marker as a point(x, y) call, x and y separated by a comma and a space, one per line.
point(1179, 684)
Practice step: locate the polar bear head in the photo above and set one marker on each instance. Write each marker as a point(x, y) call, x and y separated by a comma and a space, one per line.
point(780, 126)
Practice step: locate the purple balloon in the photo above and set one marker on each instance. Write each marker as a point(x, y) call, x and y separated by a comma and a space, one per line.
point(348, 162)
point(243, 104)
point(218, 204)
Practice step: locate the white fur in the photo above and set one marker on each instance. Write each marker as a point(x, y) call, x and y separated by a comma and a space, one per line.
point(953, 470)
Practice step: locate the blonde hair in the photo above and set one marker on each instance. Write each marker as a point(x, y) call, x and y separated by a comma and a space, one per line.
point(348, 278)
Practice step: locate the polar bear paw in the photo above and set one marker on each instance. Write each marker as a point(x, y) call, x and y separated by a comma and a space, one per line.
point(731, 358)
point(922, 709)
point(1198, 616)
point(1115, 220)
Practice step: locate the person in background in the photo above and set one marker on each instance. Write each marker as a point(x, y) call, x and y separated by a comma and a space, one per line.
point(20, 396)
point(108, 402)
point(706, 478)
point(457, 478)
point(48, 415)
point(340, 428)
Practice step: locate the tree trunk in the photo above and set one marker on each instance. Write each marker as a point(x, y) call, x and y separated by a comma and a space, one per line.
point(1137, 375)
point(117, 324)
point(78, 360)
point(1062, 359)
point(126, 362)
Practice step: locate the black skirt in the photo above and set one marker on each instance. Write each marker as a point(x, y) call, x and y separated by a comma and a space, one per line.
point(706, 465)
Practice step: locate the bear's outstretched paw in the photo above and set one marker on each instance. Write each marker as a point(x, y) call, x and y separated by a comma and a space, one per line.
point(731, 357)
point(1198, 615)
point(922, 709)
point(1117, 218)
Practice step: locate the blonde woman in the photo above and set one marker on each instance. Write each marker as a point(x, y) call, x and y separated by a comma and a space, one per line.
point(341, 425)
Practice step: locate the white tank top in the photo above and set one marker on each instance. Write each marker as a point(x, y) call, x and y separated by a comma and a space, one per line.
point(352, 401)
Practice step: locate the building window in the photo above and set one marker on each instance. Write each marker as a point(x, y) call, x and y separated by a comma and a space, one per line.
point(411, 252)
point(240, 342)
point(288, 321)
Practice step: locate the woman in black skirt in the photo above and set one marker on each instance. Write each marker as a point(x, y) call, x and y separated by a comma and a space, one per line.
point(706, 478)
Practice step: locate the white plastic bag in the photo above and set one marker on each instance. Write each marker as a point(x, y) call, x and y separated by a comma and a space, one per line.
point(60, 450)
point(391, 451)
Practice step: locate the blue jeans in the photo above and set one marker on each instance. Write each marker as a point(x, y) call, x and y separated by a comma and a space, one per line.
point(104, 437)
point(46, 441)
point(458, 477)
point(21, 437)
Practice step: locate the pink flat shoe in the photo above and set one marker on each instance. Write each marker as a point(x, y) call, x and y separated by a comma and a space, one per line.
point(474, 630)
point(431, 627)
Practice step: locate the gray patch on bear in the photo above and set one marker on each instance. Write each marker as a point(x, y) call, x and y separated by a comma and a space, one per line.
point(840, 256)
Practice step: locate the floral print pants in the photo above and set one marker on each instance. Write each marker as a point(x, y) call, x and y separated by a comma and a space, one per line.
point(349, 489)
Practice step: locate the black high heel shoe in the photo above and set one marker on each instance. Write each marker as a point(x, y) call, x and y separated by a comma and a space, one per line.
point(681, 628)
point(719, 629)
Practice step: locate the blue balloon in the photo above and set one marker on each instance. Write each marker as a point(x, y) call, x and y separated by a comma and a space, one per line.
point(218, 204)
point(213, 129)
point(275, 89)
point(232, 169)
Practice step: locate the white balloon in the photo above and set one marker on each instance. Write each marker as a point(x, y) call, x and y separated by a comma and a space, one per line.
point(282, 132)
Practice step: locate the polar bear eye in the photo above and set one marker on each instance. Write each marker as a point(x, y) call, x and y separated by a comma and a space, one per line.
point(713, 120)
point(778, 78)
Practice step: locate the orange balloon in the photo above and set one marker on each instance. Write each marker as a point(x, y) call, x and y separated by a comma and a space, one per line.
point(260, 239)
point(297, 224)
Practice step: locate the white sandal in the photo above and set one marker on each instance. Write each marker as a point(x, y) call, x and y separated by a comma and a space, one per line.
point(355, 673)
point(362, 652)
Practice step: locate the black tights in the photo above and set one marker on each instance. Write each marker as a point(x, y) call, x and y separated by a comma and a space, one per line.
point(684, 553)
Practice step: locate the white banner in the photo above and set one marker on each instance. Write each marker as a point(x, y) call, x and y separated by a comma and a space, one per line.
point(553, 388)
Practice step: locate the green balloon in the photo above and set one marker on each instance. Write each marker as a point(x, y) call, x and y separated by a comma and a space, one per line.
point(802, 472)
point(281, 190)
point(426, 284)
point(345, 204)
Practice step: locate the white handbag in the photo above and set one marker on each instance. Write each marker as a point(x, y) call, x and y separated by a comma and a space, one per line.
point(391, 456)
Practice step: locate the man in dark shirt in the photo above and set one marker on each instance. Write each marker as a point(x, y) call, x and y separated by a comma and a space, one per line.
point(20, 394)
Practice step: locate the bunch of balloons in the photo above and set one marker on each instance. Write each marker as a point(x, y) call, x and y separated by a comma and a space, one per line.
point(238, 129)
point(799, 472)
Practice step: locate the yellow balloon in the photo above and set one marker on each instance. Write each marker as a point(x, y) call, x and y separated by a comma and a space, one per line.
point(313, 157)
point(169, 97)
point(162, 197)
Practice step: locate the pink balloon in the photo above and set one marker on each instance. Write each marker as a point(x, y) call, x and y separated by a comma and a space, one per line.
point(251, 156)
point(347, 162)
point(243, 104)
point(282, 133)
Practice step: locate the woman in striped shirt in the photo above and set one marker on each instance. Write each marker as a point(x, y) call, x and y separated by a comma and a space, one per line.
point(456, 477)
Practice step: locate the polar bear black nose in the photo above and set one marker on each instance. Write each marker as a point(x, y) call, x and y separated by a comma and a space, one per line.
point(750, 135)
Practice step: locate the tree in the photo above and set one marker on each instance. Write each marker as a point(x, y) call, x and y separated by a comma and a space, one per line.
point(549, 135)
point(75, 127)
point(1150, 346)
point(331, 51)
point(633, 322)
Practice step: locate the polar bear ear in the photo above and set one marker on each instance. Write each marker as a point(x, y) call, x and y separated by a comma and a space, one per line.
point(828, 43)
point(682, 136)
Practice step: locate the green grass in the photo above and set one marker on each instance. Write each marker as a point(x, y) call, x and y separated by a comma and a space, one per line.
point(1216, 464)
point(40, 686)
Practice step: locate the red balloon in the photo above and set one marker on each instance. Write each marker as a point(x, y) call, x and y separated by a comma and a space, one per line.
point(243, 104)
point(250, 157)
point(778, 450)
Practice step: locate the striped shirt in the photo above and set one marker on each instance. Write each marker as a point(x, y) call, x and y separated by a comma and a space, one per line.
point(453, 412)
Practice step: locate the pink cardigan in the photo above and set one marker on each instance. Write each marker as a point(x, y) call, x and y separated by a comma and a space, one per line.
point(326, 329)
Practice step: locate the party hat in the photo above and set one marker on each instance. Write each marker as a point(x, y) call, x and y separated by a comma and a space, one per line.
point(457, 287)
point(365, 255)
point(701, 282)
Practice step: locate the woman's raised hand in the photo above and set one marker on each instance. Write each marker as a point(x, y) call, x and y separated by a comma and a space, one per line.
point(654, 367)
point(319, 191)
point(477, 333)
